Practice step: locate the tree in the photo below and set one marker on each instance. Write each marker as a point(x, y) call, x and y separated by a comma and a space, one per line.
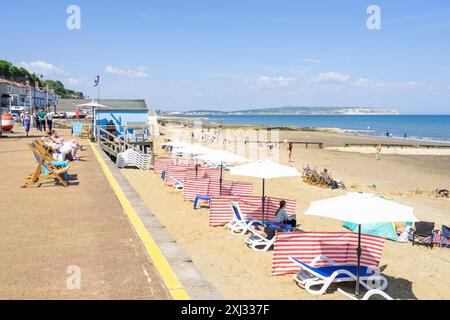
point(19, 74)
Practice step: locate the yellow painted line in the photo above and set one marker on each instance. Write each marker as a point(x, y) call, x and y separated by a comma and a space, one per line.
point(173, 284)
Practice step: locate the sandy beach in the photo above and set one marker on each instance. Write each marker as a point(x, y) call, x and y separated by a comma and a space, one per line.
point(224, 259)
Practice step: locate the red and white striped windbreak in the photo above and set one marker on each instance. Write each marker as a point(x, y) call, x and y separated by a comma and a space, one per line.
point(338, 246)
point(162, 163)
point(176, 172)
point(210, 187)
point(220, 212)
point(183, 172)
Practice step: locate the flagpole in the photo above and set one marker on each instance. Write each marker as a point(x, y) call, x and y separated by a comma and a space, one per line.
point(98, 101)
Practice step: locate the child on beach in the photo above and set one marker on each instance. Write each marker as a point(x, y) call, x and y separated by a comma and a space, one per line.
point(378, 149)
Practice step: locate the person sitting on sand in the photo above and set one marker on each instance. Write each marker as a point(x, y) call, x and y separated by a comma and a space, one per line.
point(281, 216)
point(442, 193)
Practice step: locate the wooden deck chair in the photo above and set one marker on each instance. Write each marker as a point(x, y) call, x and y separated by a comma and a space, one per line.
point(45, 148)
point(86, 133)
point(45, 163)
point(34, 177)
point(325, 180)
point(315, 178)
point(307, 174)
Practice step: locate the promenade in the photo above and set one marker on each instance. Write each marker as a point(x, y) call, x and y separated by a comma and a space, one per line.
point(46, 231)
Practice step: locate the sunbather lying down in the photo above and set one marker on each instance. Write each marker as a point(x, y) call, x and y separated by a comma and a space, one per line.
point(267, 232)
point(442, 193)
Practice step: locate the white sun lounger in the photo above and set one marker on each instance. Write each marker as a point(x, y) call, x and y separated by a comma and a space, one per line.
point(133, 158)
point(369, 294)
point(177, 184)
point(312, 276)
point(257, 242)
point(239, 225)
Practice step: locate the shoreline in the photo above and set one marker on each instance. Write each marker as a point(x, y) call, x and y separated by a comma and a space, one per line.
point(340, 131)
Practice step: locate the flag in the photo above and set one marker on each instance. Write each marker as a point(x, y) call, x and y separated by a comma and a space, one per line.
point(97, 81)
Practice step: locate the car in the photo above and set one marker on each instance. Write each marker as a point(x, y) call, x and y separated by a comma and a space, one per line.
point(15, 114)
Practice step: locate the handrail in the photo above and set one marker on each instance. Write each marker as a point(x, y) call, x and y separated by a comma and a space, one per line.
point(120, 145)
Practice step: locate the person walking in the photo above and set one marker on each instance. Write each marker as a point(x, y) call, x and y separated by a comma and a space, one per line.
point(290, 150)
point(27, 123)
point(49, 120)
point(42, 116)
point(37, 125)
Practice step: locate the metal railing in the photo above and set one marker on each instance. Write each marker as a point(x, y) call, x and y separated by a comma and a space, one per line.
point(114, 145)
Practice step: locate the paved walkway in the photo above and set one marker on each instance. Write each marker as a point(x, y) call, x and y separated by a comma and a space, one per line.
point(45, 231)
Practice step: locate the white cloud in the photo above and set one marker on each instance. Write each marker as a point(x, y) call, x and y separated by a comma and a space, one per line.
point(311, 61)
point(331, 77)
point(368, 83)
point(77, 81)
point(42, 67)
point(130, 73)
point(273, 82)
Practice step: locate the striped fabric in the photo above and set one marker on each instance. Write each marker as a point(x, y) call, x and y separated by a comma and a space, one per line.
point(184, 172)
point(195, 187)
point(210, 187)
point(162, 163)
point(220, 212)
point(177, 172)
point(338, 246)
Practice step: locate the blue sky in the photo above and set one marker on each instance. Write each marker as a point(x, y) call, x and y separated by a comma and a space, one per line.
point(233, 54)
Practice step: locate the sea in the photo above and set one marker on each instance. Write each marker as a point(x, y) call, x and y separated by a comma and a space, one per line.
point(415, 127)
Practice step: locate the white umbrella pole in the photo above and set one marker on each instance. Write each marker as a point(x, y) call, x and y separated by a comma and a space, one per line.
point(359, 252)
point(221, 178)
point(196, 168)
point(263, 201)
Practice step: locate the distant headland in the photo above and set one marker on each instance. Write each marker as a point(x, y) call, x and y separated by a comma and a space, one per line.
point(290, 111)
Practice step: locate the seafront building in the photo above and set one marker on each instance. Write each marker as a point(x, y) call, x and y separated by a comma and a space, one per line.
point(14, 94)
